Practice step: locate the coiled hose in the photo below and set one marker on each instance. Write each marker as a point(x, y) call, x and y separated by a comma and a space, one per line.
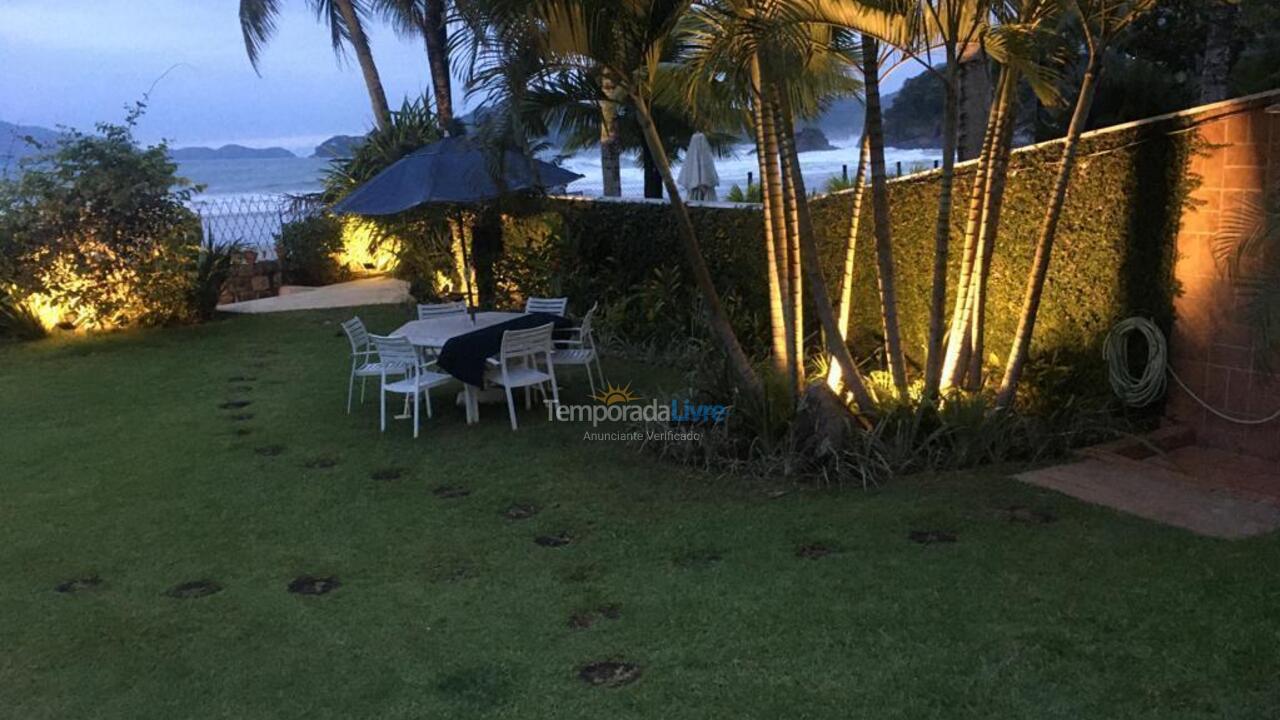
point(1147, 387)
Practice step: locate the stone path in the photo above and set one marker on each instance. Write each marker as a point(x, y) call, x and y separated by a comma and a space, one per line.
point(366, 291)
point(1205, 491)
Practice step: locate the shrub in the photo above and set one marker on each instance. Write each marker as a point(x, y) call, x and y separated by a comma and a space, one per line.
point(309, 250)
point(97, 228)
point(212, 270)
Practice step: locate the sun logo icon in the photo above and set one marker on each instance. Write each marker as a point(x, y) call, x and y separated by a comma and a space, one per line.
point(614, 395)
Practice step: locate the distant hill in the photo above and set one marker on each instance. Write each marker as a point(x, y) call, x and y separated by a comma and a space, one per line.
point(338, 146)
point(14, 145)
point(229, 152)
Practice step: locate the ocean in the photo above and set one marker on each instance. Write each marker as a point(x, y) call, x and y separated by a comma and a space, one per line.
point(246, 200)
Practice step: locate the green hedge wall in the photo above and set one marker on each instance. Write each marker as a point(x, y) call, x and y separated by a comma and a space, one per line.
point(1113, 258)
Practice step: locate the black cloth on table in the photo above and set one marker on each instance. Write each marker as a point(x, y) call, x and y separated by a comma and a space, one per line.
point(465, 356)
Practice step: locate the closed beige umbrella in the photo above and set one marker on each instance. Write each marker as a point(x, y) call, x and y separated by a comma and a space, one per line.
point(698, 175)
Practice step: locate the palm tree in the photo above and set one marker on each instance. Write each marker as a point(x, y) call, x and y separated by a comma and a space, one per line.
point(626, 38)
point(1216, 66)
point(1101, 21)
point(427, 19)
point(345, 19)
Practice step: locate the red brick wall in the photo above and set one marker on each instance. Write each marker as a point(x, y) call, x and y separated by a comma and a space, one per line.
point(1210, 346)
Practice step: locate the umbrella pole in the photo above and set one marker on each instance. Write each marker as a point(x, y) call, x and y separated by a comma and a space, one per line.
point(466, 264)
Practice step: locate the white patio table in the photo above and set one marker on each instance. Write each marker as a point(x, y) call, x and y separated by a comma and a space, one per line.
point(431, 335)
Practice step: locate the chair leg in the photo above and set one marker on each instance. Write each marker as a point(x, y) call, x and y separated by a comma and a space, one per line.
point(363, 381)
point(382, 407)
point(511, 408)
point(416, 399)
point(590, 380)
point(528, 398)
point(351, 388)
point(555, 387)
point(427, 393)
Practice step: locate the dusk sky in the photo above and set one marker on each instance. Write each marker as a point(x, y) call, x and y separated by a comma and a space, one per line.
point(76, 62)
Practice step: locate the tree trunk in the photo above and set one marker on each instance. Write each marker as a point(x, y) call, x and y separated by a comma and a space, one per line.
point(772, 200)
point(1044, 245)
point(652, 176)
point(942, 231)
point(850, 255)
point(880, 211)
point(975, 105)
point(372, 82)
point(1216, 66)
point(610, 138)
point(792, 197)
point(812, 268)
point(957, 357)
point(997, 180)
point(435, 35)
point(717, 319)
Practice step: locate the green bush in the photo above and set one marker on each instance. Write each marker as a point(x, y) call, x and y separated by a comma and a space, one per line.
point(97, 227)
point(308, 251)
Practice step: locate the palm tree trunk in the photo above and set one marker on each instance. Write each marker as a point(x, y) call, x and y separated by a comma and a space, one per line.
point(880, 211)
point(957, 357)
point(610, 138)
point(792, 198)
point(850, 255)
point(717, 319)
point(1044, 245)
point(772, 201)
point(1216, 67)
point(997, 180)
point(652, 176)
point(812, 267)
point(435, 35)
point(364, 55)
point(942, 230)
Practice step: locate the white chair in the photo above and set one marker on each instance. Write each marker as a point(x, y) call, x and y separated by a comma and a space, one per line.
point(580, 349)
point(398, 357)
point(364, 358)
point(432, 311)
point(518, 366)
point(555, 306)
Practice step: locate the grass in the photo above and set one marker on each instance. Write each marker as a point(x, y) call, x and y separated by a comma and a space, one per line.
point(118, 462)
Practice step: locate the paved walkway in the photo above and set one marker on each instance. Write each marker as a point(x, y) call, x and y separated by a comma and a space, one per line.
point(366, 291)
point(1206, 491)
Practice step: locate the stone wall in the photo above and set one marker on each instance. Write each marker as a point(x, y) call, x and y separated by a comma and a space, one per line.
point(251, 279)
point(1211, 347)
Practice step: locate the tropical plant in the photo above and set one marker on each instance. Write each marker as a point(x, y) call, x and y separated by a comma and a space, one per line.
point(427, 19)
point(1101, 21)
point(345, 20)
point(414, 125)
point(1247, 247)
point(308, 250)
point(212, 270)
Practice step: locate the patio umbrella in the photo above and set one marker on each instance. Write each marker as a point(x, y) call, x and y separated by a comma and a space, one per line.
point(455, 170)
point(698, 175)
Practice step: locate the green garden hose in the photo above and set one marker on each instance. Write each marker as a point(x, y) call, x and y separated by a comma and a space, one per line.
point(1147, 387)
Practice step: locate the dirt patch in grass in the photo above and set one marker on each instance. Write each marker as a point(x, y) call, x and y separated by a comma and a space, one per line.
point(241, 417)
point(609, 673)
point(313, 585)
point(269, 450)
point(1029, 516)
point(241, 432)
point(584, 619)
point(449, 492)
point(697, 559)
point(387, 474)
point(241, 389)
point(559, 540)
point(193, 589)
point(80, 584)
point(324, 462)
point(241, 379)
point(235, 404)
point(813, 551)
point(931, 537)
point(520, 511)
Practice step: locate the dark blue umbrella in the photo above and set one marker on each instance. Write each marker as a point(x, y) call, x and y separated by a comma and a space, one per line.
point(453, 170)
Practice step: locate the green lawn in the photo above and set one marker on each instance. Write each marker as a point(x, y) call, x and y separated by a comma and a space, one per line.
point(117, 461)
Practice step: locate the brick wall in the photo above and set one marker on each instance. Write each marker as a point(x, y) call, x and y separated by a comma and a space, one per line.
point(251, 278)
point(1211, 348)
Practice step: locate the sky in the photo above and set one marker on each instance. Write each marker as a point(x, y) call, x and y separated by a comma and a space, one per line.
point(77, 62)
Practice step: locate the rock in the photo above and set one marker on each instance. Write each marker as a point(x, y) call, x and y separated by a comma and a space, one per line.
point(229, 152)
point(811, 138)
point(823, 423)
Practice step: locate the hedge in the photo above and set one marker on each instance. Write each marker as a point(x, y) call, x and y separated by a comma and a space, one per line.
point(1113, 258)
